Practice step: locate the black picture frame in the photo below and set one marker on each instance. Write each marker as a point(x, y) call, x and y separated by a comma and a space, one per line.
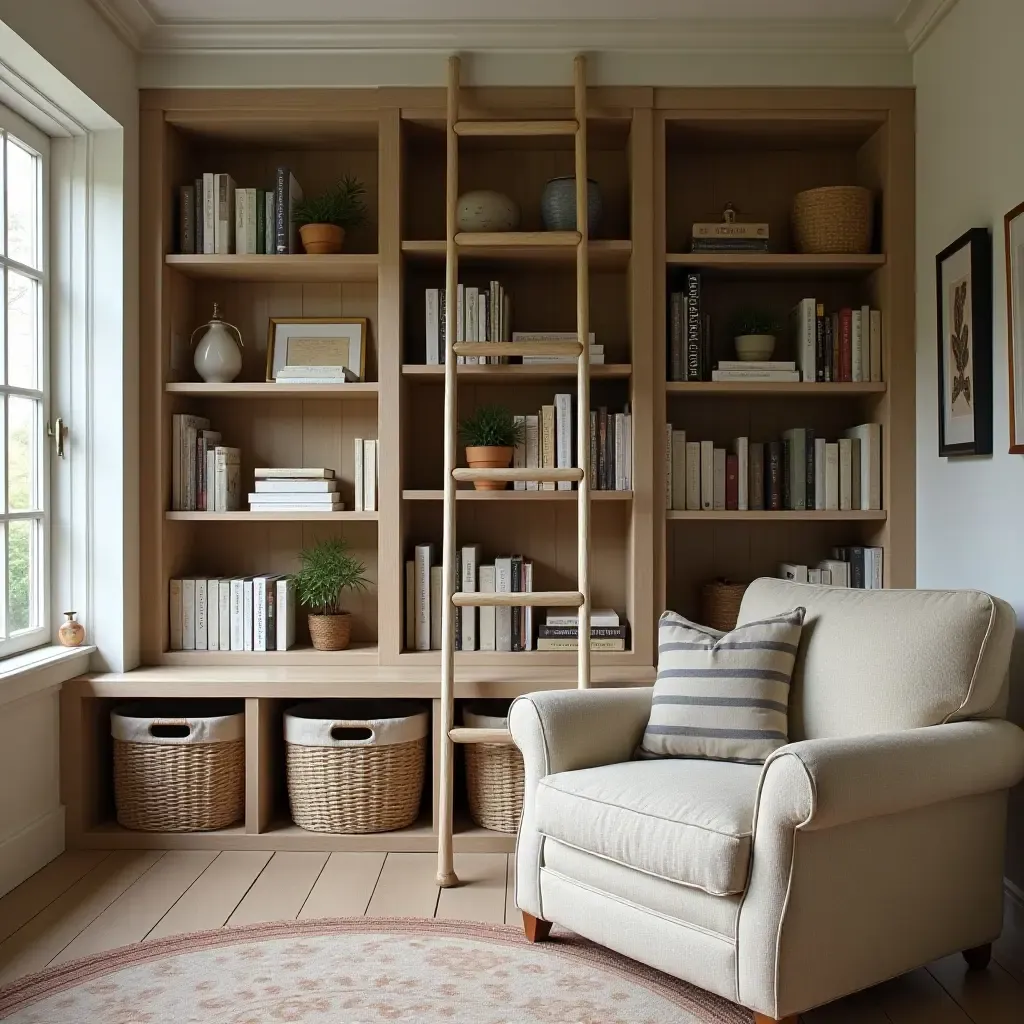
point(970, 355)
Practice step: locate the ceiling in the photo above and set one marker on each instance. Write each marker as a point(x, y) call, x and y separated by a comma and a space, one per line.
point(197, 25)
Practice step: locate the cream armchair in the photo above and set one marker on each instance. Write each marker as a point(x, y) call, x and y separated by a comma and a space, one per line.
point(869, 845)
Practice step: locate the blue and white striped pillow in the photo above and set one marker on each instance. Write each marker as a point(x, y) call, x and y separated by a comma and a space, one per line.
point(722, 696)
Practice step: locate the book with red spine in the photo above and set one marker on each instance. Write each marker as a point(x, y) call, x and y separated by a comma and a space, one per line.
point(845, 345)
point(732, 482)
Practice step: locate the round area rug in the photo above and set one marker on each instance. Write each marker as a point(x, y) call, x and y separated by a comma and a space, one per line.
point(357, 971)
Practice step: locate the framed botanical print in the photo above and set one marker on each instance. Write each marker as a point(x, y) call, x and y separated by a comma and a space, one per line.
point(318, 341)
point(1014, 231)
point(963, 280)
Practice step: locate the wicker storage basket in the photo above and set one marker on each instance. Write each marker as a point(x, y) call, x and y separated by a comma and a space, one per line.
point(494, 773)
point(833, 220)
point(720, 604)
point(178, 767)
point(355, 766)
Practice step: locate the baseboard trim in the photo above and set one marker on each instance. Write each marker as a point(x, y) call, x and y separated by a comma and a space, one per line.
point(24, 853)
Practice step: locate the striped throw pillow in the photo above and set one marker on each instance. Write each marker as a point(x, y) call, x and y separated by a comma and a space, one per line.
point(722, 696)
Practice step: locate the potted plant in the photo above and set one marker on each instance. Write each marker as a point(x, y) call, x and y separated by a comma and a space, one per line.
point(490, 435)
point(323, 219)
point(328, 570)
point(754, 336)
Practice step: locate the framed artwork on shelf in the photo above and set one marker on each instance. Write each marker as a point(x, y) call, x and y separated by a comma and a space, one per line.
point(318, 341)
point(963, 284)
point(1014, 232)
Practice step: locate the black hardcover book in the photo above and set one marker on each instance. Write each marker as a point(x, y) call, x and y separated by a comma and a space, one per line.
point(693, 325)
point(198, 214)
point(442, 323)
point(602, 448)
point(517, 613)
point(677, 362)
point(186, 219)
point(856, 559)
point(828, 350)
point(809, 502)
point(281, 210)
point(819, 346)
point(786, 456)
point(458, 610)
point(773, 476)
point(609, 458)
point(707, 354)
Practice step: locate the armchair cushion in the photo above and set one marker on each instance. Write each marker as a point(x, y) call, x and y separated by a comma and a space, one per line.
point(688, 821)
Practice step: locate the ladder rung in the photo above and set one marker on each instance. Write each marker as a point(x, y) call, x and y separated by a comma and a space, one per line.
point(518, 473)
point(517, 348)
point(509, 128)
point(529, 599)
point(463, 734)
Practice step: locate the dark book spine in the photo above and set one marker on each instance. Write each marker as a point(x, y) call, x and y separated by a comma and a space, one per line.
point(809, 459)
point(186, 219)
point(756, 491)
point(602, 448)
point(281, 210)
point(732, 482)
point(609, 458)
point(828, 349)
point(198, 214)
point(442, 323)
point(786, 468)
point(706, 349)
point(458, 611)
point(517, 613)
point(271, 615)
point(261, 222)
point(819, 345)
point(693, 322)
point(676, 368)
point(857, 567)
point(773, 476)
point(845, 354)
point(592, 453)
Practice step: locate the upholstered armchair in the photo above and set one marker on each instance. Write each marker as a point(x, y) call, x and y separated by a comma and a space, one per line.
point(867, 846)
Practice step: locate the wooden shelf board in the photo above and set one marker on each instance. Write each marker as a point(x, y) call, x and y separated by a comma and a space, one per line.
point(517, 372)
point(761, 387)
point(357, 654)
point(299, 267)
point(777, 264)
point(362, 391)
point(271, 517)
point(468, 494)
point(527, 247)
point(812, 515)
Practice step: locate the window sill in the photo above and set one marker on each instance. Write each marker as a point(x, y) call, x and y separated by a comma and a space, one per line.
point(41, 669)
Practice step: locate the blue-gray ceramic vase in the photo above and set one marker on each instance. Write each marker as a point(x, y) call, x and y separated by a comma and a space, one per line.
point(558, 205)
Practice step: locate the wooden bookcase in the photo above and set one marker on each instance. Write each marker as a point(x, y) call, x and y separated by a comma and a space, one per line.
point(664, 158)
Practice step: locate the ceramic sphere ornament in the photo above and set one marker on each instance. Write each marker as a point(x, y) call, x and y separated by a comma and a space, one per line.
point(218, 358)
point(484, 210)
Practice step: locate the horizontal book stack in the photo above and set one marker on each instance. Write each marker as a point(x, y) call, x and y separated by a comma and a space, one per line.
point(315, 375)
point(205, 475)
point(239, 613)
point(844, 345)
point(482, 314)
point(859, 567)
point(778, 371)
point(296, 489)
point(730, 236)
point(797, 472)
point(596, 353)
point(689, 334)
point(217, 217)
point(560, 631)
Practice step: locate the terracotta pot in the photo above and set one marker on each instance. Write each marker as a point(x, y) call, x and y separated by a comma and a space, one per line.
point(318, 239)
point(485, 457)
point(330, 632)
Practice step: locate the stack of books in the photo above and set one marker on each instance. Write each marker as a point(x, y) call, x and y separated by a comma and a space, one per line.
point(596, 353)
point(689, 334)
point(845, 345)
point(315, 375)
point(859, 567)
point(729, 236)
point(779, 371)
point(560, 631)
point(205, 475)
point(797, 472)
point(295, 490)
point(215, 216)
point(482, 314)
point(240, 613)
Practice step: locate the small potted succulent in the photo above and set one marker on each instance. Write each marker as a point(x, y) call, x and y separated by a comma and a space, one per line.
point(490, 435)
point(328, 570)
point(322, 219)
point(754, 336)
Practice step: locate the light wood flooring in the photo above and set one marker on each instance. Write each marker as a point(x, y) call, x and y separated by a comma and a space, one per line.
point(88, 901)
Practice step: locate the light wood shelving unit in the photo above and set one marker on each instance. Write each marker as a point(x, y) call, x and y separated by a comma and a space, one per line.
point(664, 158)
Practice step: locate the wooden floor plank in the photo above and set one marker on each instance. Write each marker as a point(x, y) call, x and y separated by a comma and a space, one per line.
point(135, 912)
point(917, 998)
point(32, 947)
point(21, 904)
point(513, 915)
point(860, 1008)
point(345, 886)
point(992, 996)
point(407, 886)
point(215, 895)
point(281, 889)
point(481, 897)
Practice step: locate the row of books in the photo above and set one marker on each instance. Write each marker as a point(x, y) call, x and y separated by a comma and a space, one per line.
point(549, 442)
point(730, 236)
point(690, 350)
point(797, 472)
point(215, 216)
point(855, 566)
point(482, 314)
point(239, 613)
point(560, 631)
point(845, 345)
point(205, 475)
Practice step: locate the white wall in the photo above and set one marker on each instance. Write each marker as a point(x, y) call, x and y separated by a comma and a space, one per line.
point(970, 171)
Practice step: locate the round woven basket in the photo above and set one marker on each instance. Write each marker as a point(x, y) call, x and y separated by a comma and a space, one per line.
point(178, 767)
point(836, 219)
point(495, 777)
point(720, 604)
point(330, 632)
point(355, 766)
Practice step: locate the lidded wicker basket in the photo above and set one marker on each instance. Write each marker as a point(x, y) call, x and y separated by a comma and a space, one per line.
point(835, 219)
point(178, 766)
point(720, 604)
point(355, 765)
point(495, 778)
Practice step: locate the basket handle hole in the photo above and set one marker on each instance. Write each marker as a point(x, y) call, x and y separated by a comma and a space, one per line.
point(351, 732)
point(169, 730)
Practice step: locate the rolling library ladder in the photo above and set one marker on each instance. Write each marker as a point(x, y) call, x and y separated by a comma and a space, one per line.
point(579, 598)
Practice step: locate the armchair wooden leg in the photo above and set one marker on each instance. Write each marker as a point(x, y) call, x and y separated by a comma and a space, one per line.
point(978, 957)
point(760, 1018)
point(536, 929)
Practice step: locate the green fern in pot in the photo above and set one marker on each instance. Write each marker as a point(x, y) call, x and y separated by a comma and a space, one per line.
point(328, 572)
point(323, 219)
point(490, 435)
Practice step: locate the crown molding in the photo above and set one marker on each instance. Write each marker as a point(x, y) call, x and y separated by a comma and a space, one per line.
point(919, 19)
point(130, 19)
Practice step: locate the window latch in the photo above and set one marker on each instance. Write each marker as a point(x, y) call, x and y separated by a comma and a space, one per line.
point(58, 431)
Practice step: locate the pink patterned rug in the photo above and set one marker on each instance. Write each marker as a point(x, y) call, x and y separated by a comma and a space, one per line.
point(356, 971)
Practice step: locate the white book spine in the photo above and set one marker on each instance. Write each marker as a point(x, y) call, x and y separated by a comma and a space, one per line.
point(819, 473)
point(856, 345)
point(487, 613)
point(188, 615)
point(314, 488)
point(865, 343)
point(285, 614)
point(845, 474)
point(831, 477)
point(360, 471)
point(503, 615)
point(423, 558)
point(742, 448)
point(563, 437)
point(211, 482)
point(677, 469)
point(470, 568)
point(620, 433)
point(870, 437)
point(875, 343)
point(201, 627)
point(433, 304)
point(670, 478)
point(370, 475)
point(224, 614)
point(259, 614)
point(213, 615)
point(693, 476)
point(224, 227)
point(209, 215)
point(707, 475)
point(251, 198)
point(241, 203)
point(238, 615)
point(719, 479)
point(247, 589)
point(519, 453)
point(410, 605)
point(472, 302)
point(532, 448)
point(436, 600)
point(627, 452)
point(174, 607)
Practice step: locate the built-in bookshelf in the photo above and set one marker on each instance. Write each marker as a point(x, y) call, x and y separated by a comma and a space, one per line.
point(664, 159)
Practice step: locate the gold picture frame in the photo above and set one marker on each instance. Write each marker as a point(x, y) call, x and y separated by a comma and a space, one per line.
point(315, 343)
